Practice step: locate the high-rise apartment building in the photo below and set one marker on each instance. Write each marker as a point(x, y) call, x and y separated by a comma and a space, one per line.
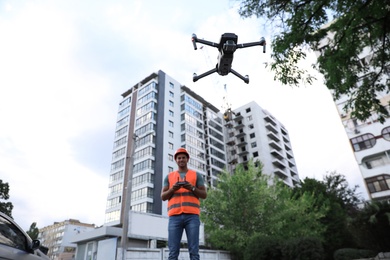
point(369, 139)
point(253, 133)
point(370, 142)
point(158, 115)
point(57, 238)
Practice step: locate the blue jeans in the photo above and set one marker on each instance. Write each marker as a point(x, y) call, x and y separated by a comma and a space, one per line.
point(190, 223)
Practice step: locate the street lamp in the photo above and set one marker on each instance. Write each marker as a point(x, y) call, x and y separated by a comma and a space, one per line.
point(127, 199)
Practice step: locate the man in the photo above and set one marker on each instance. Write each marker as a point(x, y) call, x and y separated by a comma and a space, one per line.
point(183, 189)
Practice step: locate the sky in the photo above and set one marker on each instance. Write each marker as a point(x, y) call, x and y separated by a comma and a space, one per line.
point(64, 65)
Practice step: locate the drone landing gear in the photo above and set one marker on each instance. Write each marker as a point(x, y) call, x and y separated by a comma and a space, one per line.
point(195, 77)
point(245, 79)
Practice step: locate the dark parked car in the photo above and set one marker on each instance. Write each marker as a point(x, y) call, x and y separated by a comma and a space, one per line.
point(16, 244)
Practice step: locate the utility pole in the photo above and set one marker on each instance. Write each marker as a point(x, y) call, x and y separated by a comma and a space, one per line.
point(127, 200)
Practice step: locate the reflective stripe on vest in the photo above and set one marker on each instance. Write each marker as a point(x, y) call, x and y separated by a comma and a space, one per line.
point(183, 201)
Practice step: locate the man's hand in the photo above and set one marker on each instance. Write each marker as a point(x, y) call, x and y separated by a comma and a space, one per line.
point(187, 186)
point(176, 186)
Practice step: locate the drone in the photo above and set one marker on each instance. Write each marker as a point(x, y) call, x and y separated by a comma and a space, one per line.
point(226, 47)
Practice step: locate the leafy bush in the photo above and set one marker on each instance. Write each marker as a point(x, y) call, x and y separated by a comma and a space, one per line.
point(353, 253)
point(303, 249)
point(262, 247)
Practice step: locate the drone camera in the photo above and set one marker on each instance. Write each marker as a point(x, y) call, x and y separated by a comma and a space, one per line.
point(229, 46)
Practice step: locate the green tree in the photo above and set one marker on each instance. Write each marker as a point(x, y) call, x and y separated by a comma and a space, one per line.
point(244, 206)
point(371, 226)
point(337, 186)
point(341, 203)
point(33, 232)
point(355, 25)
point(5, 207)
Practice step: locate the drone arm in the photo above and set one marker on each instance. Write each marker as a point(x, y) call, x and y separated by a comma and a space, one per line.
point(250, 44)
point(196, 77)
point(245, 79)
point(195, 40)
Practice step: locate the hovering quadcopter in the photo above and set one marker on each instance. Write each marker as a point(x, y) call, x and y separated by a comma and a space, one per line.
point(226, 47)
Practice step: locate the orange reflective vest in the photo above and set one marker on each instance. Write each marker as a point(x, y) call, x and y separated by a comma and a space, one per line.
point(183, 201)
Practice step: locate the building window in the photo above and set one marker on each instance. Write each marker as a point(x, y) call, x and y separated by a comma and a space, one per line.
point(252, 135)
point(386, 133)
point(251, 126)
point(170, 145)
point(250, 118)
point(171, 94)
point(363, 142)
point(170, 169)
point(125, 102)
point(170, 103)
point(255, 154)
point(118, 164)
point(254, 144)
point(171, 85)
point(378, 183)
point(170, 157)
point(171, 113)
point(170, 134)
point(170, 123)
point(248, 110)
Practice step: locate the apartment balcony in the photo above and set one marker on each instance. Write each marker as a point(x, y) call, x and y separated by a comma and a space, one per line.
point(271, 128)
point(289, 155)
point(291, 164)
point(281, 174)
point(295, 182)
point(273, 136)
point(275, 145)
point(238, 117)
point(380, 194)
point(239, 126)
point(293, 172)
point(233, 160)
point(242, 153)
point(241, 144)
point(277, 154)
point(284, 131)
point(239, 135)
point(287, 146)
point(229, 124)
point(373, 171)
point(231, 142)
point(278, 163)
point(269, 119)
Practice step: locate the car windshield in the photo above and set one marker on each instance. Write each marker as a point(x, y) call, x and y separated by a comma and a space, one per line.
point(10, 235)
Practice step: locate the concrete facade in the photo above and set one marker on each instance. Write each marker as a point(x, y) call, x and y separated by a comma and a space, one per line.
point(369, 139)
point(58, 237)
